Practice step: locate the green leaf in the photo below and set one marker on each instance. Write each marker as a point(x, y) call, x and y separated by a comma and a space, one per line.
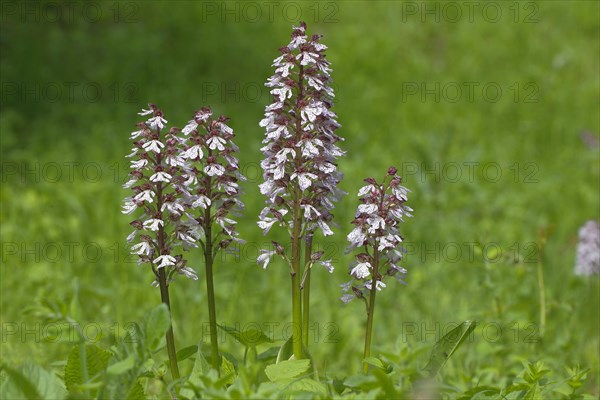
point(121, 366)
point(447, 345)
point(17, 386)
point(136, 392)
point(250, 355)
point(286, 369)
point(516, 388)
point(535, 372)
point(307, 385)
point(249, 337)
point(473, 393)
point(227, 371)
point(158, 323)
point(362, 382)
point(84, 364)
point(576, 377)
point(268, 354)
point(374, 361)
point(200, 368)
point(32, 382)
point(186, 352)
point(285, 351)
point(533, 393)
point(386, 384)
point(55, 333)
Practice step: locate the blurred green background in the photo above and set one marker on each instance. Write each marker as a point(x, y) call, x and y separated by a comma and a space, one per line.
point(490, 111)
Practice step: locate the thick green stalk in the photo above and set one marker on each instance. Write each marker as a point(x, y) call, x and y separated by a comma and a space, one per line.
point(296, 294)
point(371, 309)
point(306, 288)
point(296, 239)
point(210, 287)
point(164, 287)
point(210, 291)
point(164, 295)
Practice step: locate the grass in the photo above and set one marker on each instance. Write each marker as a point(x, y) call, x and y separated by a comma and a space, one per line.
point(175, 58)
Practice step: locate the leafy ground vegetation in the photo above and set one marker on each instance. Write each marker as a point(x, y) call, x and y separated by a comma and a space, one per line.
point(490, 116)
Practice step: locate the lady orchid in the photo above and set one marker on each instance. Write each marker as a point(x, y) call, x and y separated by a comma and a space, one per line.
point(211, 178)
point(158, 181)
point(300, 165)
point(377, 236)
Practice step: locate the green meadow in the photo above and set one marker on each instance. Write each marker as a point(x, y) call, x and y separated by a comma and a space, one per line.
point(489, 112)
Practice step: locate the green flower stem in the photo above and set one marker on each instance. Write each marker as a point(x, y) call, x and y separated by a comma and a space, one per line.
point(371, 309)
point(296, 293)
point(210, 291)
point(210, 286)
point(296, 238)
point(164, 288)
point(306, 288)
point(164, 295)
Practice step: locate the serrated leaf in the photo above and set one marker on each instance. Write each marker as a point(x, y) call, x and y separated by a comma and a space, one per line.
point(286, 369)
point(227, 371)
point(447, 346)
point(186, 353)
point(158, 322)
point(121, 366)
point(84, 364)
point(249, 337)
point(136, 392)
point(200, 369)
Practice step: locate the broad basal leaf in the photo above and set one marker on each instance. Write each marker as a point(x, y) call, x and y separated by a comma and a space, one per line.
point(31, 382)
point(287, 370)
point(158, 322)
point(248, 337)
point(447, 345)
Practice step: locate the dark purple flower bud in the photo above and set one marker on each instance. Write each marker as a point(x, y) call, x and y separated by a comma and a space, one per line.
point(316, 256)
point(279, 249)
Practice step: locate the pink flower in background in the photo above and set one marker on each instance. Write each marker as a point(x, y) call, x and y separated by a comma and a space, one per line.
point(587, 261)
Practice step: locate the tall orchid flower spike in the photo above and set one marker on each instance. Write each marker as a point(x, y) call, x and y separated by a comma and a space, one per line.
point(212, 176)
point(377, 236)
point(300, 165)
point(158, 182)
